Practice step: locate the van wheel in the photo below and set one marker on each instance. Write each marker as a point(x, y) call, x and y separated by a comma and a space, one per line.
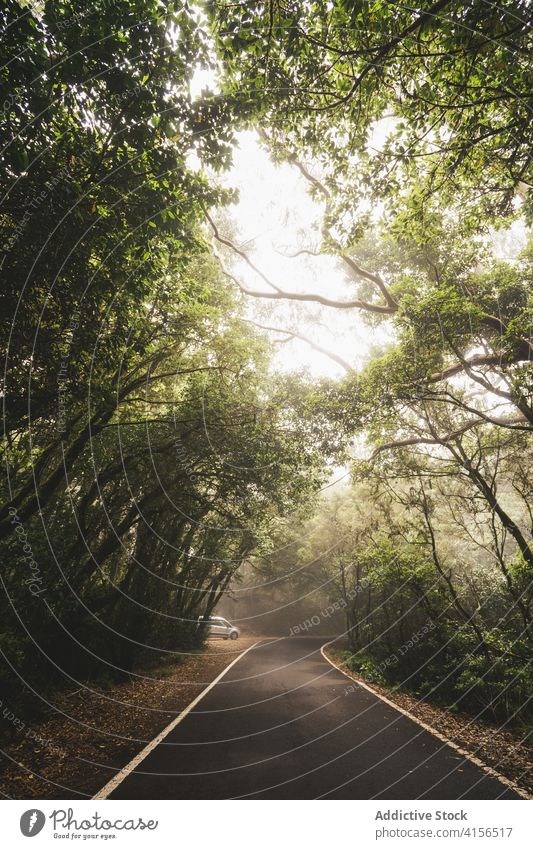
point(233, 636)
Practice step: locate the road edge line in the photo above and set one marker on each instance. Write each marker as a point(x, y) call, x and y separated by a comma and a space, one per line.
point(438, 734)
point(117, 779)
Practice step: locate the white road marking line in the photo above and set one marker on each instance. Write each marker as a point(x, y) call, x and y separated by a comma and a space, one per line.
point(139, 758)
point(488, 769)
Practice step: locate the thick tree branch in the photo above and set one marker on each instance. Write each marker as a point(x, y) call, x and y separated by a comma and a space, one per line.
point(473, 362)
point(314, 181)
point(446, 438)
point(526, 345)
point(280, 295)
point(373, 278)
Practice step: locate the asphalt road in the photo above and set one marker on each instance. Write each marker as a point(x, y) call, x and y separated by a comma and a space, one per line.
point(284, 724)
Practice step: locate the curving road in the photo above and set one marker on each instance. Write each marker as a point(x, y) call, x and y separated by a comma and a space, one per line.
point(284, 724)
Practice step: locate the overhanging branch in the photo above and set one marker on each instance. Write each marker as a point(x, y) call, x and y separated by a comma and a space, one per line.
point(449, 437)
point(309, 297)
point(473, 362)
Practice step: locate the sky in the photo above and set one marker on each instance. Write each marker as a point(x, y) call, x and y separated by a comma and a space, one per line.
point(275, 217)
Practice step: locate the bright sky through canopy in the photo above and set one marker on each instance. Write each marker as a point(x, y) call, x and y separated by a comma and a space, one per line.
point(274, 218)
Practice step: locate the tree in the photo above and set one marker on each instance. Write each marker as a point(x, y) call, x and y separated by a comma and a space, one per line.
point(99, 220)
point(160, 508)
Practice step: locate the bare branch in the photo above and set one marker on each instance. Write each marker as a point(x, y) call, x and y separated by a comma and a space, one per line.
point(373, 278)
point(309, 177)
point(293, 334)
point(224, 241)
point(355, 269)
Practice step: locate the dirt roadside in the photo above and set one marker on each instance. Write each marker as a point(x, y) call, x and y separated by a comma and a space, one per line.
point(92, 733)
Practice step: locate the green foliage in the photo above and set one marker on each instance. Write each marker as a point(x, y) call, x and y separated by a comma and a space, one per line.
point(407, 637)
point(148, 450)
point(166, 501)
point(447, 86)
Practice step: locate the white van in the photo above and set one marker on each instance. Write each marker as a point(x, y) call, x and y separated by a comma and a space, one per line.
point(217, 626)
